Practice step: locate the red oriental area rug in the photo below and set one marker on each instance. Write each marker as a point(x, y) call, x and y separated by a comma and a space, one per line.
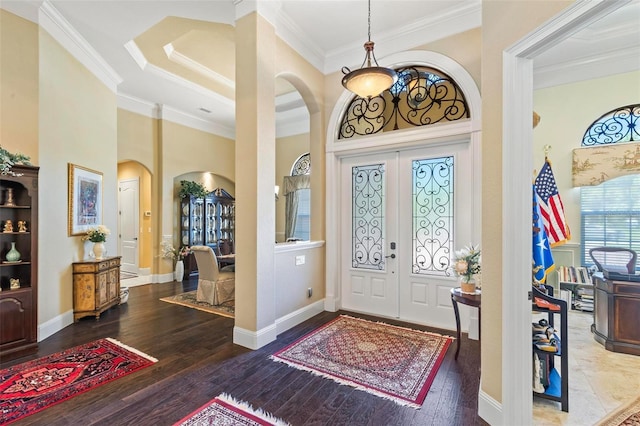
point(224, 410)
point(393, 362)
point(35, 385)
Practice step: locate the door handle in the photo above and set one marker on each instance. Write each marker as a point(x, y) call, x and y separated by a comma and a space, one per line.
point(392, 255)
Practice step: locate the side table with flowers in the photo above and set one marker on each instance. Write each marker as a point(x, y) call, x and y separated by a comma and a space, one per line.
point(98, 236)
point(178, 255)
point(466, 266)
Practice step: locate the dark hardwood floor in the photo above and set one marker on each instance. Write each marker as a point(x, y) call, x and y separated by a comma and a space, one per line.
point(198, 361)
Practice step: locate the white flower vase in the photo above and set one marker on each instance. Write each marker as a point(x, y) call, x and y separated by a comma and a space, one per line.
point(98, 250)
point(467, 286)
point(178, 274)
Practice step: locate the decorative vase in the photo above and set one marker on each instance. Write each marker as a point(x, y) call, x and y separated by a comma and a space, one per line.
point(178, 274)
point(13, 255)
point(467, 286)
point(98, 250)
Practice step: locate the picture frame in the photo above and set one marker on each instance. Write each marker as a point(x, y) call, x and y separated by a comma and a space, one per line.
point(85, 199)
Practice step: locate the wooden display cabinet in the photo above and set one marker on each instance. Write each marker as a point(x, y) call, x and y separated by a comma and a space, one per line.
point(19, 279)
point(96, 286)
point(208, 221)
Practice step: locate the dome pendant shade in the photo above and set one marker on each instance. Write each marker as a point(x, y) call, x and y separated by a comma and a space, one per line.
point(370, 81)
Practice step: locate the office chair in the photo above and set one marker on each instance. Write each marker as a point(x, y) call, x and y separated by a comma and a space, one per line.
point(614, 259)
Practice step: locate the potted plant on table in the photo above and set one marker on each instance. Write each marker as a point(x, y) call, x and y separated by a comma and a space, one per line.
point(466, 265)
point(178, 255)
point(98, 236)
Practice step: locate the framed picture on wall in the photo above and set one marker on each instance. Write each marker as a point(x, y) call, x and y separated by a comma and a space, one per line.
point(85, 199)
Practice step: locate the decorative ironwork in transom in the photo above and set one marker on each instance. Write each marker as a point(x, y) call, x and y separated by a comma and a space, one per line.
point(422, 96)
point(432, 230)
point(302, 166)
point(619, 125)
point(367, 192)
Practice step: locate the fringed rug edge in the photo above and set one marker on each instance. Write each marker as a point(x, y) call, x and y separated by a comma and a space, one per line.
point(131, 349)
point(345, 382)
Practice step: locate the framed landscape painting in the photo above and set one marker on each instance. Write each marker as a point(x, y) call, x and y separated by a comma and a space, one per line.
point(85, 199)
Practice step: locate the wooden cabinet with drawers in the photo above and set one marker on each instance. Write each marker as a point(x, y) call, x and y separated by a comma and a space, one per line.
point(96, 286)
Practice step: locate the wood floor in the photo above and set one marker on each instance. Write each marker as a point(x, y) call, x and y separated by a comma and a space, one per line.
point(198, 361)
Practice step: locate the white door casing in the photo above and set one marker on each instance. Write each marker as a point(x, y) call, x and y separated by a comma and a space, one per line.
point(129, 200)
point(380, 273)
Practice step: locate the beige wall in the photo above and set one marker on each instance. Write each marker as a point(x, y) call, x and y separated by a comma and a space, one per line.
point(77, 125)
point(137, 138)
point(186, 150)
point(19, 85)
point(503, 23)
point(287, 152)
point(566, 112)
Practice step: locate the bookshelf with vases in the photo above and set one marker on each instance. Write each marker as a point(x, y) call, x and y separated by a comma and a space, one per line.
point(19, 261)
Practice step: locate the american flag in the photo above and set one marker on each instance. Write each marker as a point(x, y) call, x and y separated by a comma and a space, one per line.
point(551, 207)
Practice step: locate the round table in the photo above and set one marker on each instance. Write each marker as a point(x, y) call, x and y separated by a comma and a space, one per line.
point(473, 300)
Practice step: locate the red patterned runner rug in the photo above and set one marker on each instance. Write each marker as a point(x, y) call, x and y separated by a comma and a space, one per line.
point(224, 410)
point(393, 362)
point(35, 385)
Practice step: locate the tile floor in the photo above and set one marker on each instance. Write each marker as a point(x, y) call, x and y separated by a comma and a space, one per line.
point(599, 380)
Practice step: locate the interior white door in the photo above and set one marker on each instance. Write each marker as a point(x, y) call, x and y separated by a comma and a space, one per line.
point(403, 215)
point(128, 193)
point(369, 230)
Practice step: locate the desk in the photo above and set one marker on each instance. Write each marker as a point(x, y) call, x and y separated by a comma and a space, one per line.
point(466, 299)
point(617, 315)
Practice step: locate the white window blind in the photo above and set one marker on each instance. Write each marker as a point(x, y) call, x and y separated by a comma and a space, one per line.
point(611, 215)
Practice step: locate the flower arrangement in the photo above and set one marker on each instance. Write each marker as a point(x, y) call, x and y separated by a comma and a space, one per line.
point(169, 252)
point(97, 235)
point(467, 262)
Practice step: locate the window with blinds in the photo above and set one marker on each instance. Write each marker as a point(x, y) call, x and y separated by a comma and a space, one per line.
point(611, 215)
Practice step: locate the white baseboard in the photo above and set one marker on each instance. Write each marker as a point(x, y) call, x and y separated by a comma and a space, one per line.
point(254, 339)
point(331, 304)
point(294, 318)
point(54, 325)
point(257, 339)
point(489, 409)
point(474, 328)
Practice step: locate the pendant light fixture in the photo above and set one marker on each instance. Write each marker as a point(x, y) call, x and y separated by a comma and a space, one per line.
point(370, 80)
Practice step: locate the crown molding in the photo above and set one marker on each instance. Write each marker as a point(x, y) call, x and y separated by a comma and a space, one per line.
point(176, 116)
point(50, 19)
point(196, 66)
point(145, 65)
point(466, 17)
point(587, 68)
point(138, 106)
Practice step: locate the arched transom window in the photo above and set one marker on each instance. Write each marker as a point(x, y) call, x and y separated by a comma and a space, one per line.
point(422, 96)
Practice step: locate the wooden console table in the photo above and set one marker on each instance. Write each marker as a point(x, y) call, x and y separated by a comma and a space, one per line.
point(458, 296)
point(617, 315)
point(96, 286)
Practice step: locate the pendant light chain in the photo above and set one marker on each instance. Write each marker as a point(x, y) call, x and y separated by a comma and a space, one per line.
point(369, 21)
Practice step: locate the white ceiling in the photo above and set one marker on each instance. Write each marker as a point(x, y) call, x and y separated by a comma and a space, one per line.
point(329, 33)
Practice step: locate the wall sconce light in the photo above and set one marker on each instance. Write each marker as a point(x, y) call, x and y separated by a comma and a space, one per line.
point(277, 191)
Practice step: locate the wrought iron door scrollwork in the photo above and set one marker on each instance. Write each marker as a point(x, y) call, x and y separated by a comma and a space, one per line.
point(422, 96)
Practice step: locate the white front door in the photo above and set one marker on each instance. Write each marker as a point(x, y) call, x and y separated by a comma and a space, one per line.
point(128, 191)
point(404, 213)
point(368, 233)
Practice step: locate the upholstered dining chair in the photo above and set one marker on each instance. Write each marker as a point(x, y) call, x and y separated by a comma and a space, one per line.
point(614, 259)
point(214, 286)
